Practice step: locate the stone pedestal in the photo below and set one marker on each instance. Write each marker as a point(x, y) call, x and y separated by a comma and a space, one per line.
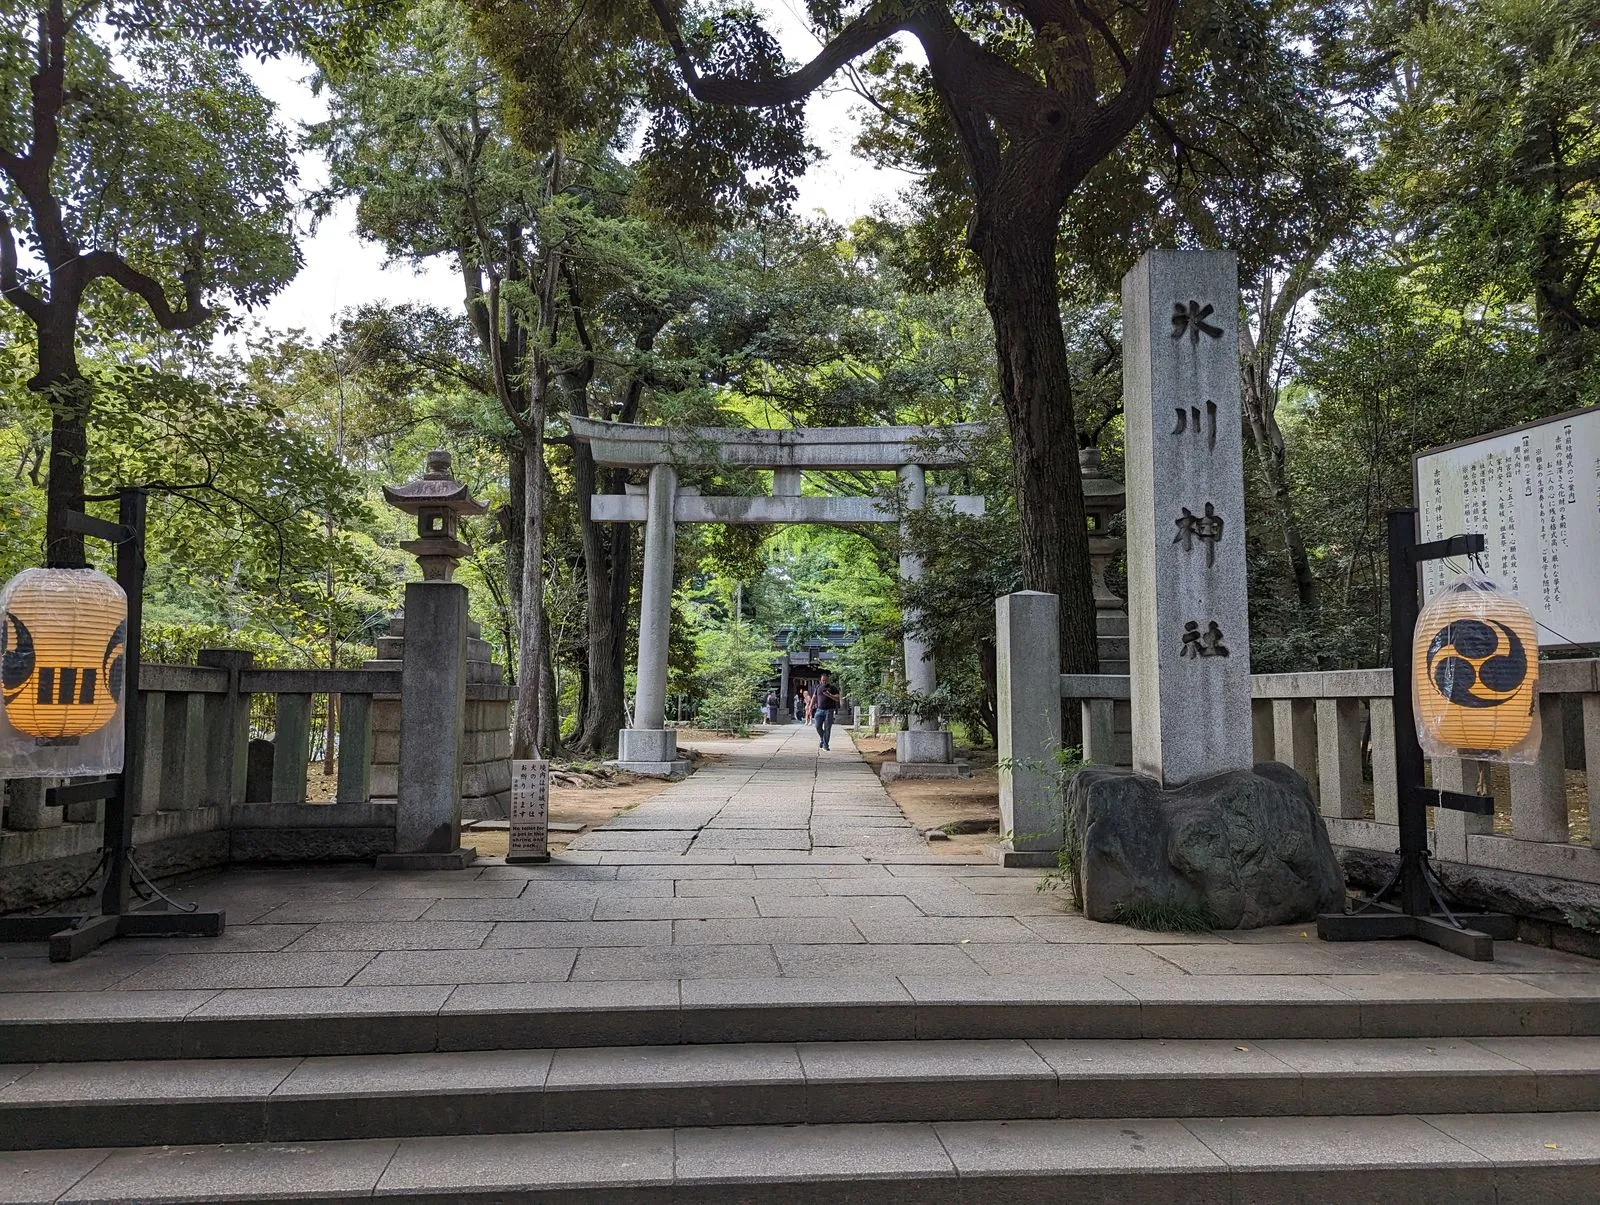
point(651, 752)
point(1238, 851)
point(924, 746)
point(485, 735)
point(433, 702)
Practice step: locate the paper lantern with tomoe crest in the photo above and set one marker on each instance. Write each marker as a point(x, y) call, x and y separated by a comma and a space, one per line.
point(1475, 674)
point(62, 641)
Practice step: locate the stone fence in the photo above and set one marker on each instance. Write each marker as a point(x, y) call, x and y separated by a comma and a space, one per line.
point(1539, 857)
point(206, 794)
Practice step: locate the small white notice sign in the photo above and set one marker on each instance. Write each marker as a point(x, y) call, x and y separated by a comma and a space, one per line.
point(1533, 492)
point(530, 812)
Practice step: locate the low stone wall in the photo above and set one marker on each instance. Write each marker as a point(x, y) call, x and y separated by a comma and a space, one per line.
point(46, 865)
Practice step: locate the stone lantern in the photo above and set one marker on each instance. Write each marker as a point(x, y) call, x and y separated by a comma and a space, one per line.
point(438, 501)
point(1104, 498)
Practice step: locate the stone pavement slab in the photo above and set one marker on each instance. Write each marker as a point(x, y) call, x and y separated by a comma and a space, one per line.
point(745, 889)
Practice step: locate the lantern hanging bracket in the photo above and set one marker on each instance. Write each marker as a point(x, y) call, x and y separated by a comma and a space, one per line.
point(99, 529)
point(81, 792)
point(1438, 550)
point(1455, 801)
point(1418, 910)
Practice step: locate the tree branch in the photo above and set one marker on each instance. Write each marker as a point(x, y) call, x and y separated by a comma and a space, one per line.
point(1138, 92)
point(985, 82)
point(1064, 48)
point(11, 286)
point(879, 22)
point(112, 266)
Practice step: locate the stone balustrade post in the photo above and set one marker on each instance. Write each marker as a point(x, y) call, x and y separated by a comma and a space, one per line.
point(1028, 682)
point(355, 749)
point(227, 728)
point(291, 752)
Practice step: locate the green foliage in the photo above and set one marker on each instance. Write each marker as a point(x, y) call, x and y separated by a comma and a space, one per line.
point(1164, 916)
point(735, 659)
point(1063, 762)
point(1492, 158)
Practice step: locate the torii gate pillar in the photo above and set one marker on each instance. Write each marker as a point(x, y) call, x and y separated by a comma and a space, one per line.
point(650, 747)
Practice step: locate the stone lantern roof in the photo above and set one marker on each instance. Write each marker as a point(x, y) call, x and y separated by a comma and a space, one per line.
point(435, 488)
point(438, 500)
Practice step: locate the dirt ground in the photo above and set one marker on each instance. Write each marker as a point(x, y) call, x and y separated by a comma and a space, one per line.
point(580, 797)
point(968, 808)
point(585, 805)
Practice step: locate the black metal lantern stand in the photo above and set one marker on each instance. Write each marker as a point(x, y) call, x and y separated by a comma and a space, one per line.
point(1411, 903)
point(74, 935)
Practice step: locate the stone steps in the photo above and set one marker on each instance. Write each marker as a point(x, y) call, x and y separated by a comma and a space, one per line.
point(1463, 1160)
point(301, 1022)
point(630, 1088)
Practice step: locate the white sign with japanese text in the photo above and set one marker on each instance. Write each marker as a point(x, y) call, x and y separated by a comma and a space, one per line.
point(1534, 494)
point(530, 812)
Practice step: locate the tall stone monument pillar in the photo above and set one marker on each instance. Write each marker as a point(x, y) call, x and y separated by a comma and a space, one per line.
point(1196, 828)
point(1189, 617)
point(650, 747)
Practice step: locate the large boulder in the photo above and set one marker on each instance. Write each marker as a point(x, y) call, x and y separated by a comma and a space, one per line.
point(1247, 848)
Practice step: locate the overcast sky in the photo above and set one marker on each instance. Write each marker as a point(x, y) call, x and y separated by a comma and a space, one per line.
point(343, 271)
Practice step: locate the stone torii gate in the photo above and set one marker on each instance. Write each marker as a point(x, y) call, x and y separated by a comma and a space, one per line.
point(650, 747)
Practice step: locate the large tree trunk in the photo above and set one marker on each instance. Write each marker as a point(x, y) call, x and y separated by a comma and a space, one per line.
point(1020, 294)
point(69, 396)
point(1270, 451)
point(549, 701)
point(602, 703)
point(516, 519)
point(527, 728)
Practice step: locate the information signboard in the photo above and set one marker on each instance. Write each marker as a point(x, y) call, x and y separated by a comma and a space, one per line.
point(530, 812)
point(1534, 493)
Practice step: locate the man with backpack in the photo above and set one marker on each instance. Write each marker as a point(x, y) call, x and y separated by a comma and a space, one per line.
point(826, 705)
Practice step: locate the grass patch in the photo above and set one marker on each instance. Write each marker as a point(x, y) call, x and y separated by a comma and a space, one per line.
point(1160, 917)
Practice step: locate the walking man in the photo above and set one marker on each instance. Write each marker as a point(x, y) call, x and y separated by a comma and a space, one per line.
point(827, 704)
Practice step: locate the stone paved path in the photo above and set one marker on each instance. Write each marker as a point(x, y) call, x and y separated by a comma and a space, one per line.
point(778, 864)
point(778, 792)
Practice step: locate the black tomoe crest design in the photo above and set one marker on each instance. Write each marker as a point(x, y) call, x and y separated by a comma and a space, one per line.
point(16, 655)
point(1471, 656)
point(111, 665)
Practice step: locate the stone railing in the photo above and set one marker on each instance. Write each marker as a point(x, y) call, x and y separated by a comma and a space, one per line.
point(205, 793)
point(1538, 856)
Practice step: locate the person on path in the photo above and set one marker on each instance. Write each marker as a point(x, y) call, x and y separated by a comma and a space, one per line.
point(827, 703)
point(772, 706)
point(799, 709)
point(811, 703)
